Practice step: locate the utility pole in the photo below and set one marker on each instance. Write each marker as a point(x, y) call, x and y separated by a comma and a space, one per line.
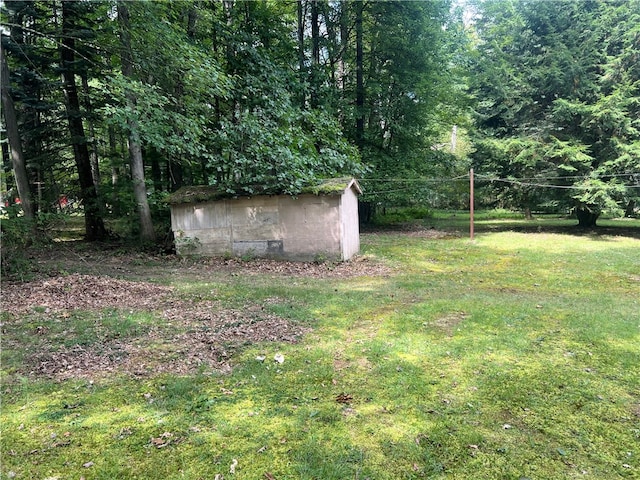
point(471, 206)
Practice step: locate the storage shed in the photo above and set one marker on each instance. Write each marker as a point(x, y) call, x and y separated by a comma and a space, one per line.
point(320, 223)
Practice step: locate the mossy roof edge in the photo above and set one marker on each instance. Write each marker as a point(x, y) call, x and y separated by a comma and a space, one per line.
point(210, 193)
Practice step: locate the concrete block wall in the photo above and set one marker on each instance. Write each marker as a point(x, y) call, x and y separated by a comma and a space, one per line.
point(307, 227)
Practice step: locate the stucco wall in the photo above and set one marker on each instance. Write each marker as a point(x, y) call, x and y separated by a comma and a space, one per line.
point(350, 224)
point(303, 228)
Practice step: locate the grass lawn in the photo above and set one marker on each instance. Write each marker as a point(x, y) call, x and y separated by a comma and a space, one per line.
point(516, 356)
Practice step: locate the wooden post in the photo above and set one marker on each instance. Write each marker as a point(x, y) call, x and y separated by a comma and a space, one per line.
point(471, 204)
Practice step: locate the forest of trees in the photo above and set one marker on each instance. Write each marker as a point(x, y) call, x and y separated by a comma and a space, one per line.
point(108, 106)
point(557, 89)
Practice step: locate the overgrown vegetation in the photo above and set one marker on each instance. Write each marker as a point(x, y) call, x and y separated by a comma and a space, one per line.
point(513, 356)
point(16, 235)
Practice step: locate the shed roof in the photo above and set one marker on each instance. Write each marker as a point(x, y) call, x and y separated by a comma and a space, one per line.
point(334, 186)
point(209, 193)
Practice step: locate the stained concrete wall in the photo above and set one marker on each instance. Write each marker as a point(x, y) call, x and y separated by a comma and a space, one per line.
point(350, 227)
point(307, 227)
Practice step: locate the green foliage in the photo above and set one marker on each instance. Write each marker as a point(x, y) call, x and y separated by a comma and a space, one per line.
point(412, 98)
point(16, 235)
point(186, 245)
point(281, 153)
point(400, 215)
point(544, 79)
point(226, 93)
point(601, 197)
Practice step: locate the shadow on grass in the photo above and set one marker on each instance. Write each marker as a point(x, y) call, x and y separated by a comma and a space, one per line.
point(460, 228)
point(574, 230)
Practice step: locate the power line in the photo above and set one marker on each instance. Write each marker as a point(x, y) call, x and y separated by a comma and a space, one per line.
point(485, 178)
point(565, 177)
point(416, 180)
point(552, 186)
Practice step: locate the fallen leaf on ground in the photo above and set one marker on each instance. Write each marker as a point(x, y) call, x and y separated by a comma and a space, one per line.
point(161, 441)
point(344, 398)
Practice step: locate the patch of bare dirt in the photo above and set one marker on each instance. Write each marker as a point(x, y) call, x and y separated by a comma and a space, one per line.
point(449, 322)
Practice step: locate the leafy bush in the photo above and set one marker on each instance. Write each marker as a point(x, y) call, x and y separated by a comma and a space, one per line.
point(16, 235)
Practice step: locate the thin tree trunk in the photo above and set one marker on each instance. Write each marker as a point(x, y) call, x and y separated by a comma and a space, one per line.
point(15, 143)
point(315, 54)
point(147, 233)
point(93, 153)
point(629, 210)
point(344, 42)
point(94, 224)
point(359, 78)
point(301, 56)
point(175, 176)
point(227, 10)
point(332, 40)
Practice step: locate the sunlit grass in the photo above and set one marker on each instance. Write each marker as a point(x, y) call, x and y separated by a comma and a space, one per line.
point(512, 356)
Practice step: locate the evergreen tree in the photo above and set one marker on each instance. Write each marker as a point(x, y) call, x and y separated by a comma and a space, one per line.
point(548, 110)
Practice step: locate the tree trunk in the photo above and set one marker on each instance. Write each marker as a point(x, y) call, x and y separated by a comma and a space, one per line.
point(93, 153)
point(315, 54)
point(15, 143)
point(147, 233)
point(94, 224)
point(115, 173)
point(527, 213)
point(586, 216)
point(175, 176)
point(344, 43)
point(359, 79)
point(230, 53)
point(301, 55)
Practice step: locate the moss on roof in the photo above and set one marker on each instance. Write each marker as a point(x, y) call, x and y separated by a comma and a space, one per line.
point(210, 193)
point(197, 194)
point(332, 186)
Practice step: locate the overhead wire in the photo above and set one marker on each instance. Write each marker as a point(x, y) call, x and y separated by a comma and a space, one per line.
point(515, 181)
point(486, 178)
